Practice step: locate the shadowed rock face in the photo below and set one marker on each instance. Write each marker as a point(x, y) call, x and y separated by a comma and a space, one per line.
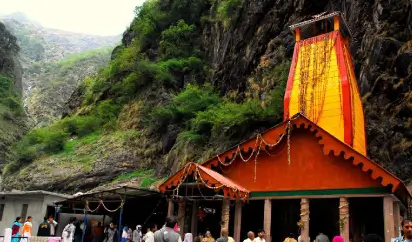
point(381, 48)
point(11, 124)
point(9, 62)
point(258, 35)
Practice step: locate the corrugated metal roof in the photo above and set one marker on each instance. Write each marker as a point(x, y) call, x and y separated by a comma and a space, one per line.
point(37, 192)
point(116, 193)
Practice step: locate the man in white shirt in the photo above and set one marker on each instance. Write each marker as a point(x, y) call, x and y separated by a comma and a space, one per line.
point(261, 236)
point(53, 225)
point(150, 234)
point(250, 237)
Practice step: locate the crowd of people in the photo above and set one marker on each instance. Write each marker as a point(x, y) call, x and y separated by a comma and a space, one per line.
point(168, 233)
point(20, 229)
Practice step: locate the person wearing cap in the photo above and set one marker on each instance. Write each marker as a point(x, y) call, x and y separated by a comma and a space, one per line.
point(137, 234)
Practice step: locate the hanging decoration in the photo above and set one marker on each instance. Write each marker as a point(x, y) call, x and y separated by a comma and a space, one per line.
point(304, 213)
point(301, 224)
point(101, 204)
point(225, 219)
point(214, 181)
point(260, 144)
point(343, 214)
point(232, 191)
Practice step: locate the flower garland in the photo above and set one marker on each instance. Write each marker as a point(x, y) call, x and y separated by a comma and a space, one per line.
point(198, 177)
point(304, 214)
point(101, 203)
point(257, 148)
point(225, 218)
point(343, 214)
point(255, 152)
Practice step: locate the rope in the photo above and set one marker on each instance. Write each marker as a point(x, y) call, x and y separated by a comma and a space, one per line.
point(154, 210)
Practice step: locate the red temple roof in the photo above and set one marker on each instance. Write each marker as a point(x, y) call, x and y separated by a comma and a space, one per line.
point(209, 178)
point(272, 137)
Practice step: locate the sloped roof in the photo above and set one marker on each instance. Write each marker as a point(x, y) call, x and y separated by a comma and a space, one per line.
point(329, 143)
point(211, 179)
point(115, 193)
point(37, 192)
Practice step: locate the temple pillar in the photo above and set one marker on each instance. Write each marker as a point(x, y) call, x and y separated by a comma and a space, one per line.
point(170, 208)
point(388, 218)
point(181, 216)
point(238, 221)
point(336, 25)
point(267, 221)
point(193, 225)
point(397, 218)
point(304, 217)
point(297, 38)
point(225, 213)
point(344, 218)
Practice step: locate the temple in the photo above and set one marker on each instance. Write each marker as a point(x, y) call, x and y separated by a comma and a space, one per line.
point(322, 84)
point(306, 175)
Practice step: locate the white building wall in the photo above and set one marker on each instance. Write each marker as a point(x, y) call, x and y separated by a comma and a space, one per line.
point(13, 207)
point(37, 208)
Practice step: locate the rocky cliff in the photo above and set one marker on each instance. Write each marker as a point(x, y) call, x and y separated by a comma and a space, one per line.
point(45, 70)
point(12, 116)
point(193, 78)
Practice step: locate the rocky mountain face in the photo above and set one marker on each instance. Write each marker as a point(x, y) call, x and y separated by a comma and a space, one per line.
point(191, 79)
point(12, 117)
point(41, 48)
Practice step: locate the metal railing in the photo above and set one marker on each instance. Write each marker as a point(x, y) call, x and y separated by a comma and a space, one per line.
point(27, 239)
point(15, 238)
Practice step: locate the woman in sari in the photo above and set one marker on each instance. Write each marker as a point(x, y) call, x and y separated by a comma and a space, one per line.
point(27, 229)
point(15, 229)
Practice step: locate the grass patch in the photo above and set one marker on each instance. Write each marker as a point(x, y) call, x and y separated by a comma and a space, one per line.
point(146, 175)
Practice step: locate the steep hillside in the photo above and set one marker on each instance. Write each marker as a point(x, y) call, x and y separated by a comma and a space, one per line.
point(193, 78)
point(41, 48)
point(58, 81)
point(12, 118)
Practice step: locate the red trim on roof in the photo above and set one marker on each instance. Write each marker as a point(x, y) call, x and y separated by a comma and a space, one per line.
point(291, 78)
point(329, 142)
point(346, 94)
point(210, 179)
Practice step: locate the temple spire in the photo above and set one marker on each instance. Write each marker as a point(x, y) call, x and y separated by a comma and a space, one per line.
point(322, 84)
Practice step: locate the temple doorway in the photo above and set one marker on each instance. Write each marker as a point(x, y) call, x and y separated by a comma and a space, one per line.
point(285, 216)
point(252, 217)
point(324, 217)
point(366, 216)
point(212, 220)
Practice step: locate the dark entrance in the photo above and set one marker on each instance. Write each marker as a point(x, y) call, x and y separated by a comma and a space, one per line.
point(213, 218)
point(252, 217)
point(366, 216)
point(324, 217)
point(285, 215)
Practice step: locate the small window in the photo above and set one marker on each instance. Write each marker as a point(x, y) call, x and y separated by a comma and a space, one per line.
point(24, 211)
point(1, 211)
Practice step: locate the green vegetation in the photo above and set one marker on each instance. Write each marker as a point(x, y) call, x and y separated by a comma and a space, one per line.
point(54, 139)
point(75, 58)
point(58, 80)
point(146, 176)
point(155, 87)
point(227, 9)
point(9, 98)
